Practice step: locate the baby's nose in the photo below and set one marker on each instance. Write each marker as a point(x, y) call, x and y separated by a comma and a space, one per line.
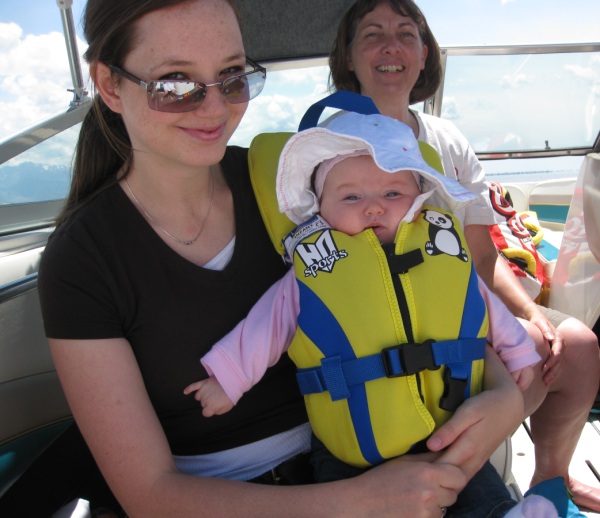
point(374, 206)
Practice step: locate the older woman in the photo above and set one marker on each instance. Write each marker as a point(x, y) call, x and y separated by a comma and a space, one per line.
point(385, 50)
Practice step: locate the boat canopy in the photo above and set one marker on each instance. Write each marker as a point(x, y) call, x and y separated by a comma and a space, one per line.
point(290, 29)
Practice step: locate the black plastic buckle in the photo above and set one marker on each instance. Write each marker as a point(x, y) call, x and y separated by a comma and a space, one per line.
point(454, 392)
point(413, 358)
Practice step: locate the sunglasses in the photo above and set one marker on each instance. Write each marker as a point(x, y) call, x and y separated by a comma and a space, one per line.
point(180, 95)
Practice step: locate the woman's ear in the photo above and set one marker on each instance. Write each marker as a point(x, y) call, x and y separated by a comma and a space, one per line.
point(106, 86)
point(424, 54)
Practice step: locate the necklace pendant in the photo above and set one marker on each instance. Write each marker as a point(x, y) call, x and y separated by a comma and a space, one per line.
point(188, 243)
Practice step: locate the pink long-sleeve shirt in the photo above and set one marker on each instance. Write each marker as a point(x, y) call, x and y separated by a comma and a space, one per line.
point(240, 359)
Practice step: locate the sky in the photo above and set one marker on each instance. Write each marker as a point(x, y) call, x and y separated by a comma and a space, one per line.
point(34, 73)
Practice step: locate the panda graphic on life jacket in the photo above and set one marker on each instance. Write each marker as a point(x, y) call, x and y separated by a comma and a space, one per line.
point(443, 237)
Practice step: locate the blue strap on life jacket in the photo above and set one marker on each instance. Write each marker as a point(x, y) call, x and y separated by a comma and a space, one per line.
point(341, 100)
point(457, 378)
point(340, 369)
point(336, 376)
point(332, 340)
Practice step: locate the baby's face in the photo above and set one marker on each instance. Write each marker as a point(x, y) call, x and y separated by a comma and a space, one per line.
point(358, 195)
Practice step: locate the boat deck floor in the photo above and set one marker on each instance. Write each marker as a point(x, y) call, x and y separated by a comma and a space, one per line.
point(585, 465)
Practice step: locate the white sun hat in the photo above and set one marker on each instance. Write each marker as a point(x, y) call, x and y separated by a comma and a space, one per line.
point(391, 143)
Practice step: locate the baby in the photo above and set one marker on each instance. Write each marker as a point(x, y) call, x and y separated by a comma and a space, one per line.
point(351, 193)
point(381, 296)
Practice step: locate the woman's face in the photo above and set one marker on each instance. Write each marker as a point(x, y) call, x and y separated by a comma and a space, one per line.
point(387, 54)
point(200, 41)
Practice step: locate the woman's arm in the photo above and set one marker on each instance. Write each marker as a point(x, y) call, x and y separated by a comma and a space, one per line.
point(500, 279)
point(105, 390)
point(506, 335)
point(495, 272)
point(475, 431)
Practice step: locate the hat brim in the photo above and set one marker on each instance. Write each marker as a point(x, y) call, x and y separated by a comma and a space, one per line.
point(307, 149)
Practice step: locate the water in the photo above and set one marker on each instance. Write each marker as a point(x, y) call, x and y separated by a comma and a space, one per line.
point(531, 176)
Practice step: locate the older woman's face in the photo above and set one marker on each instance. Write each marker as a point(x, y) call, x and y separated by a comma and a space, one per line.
point(387, 53)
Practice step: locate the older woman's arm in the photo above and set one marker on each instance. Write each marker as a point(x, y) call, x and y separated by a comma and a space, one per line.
point(500, 279)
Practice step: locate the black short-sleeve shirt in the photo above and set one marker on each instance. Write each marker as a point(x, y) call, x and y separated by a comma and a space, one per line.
point(105, 273)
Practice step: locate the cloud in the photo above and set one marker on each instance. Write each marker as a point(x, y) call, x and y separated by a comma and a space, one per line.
point(9, 34)
point(582, 72)
point(34, 77)
point(273, 111)
point(589, 74)
point(306, 75)
point(515, 80)
point(450, 109)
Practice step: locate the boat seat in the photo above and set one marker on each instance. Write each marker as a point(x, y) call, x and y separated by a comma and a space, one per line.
point(32, 404)
point(551, 200)
point(519, 197)
point(575, 284)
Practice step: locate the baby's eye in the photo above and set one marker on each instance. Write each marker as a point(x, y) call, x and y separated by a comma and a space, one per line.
point(393, 194)
point(351, 197)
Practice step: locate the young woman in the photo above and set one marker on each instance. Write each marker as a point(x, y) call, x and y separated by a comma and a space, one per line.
point(159, 252)
point(385, 50)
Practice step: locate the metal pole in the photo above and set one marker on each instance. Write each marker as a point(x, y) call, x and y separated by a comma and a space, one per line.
point(79, 92)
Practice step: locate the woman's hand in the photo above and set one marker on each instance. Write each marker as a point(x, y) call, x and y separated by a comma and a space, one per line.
point(551, 362)
point(475, 431)
point(410, 485)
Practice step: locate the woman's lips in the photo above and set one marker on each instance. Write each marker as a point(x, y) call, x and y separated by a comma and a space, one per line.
point(206, 134)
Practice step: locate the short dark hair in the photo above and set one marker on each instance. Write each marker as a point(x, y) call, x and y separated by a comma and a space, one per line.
point(343, 79)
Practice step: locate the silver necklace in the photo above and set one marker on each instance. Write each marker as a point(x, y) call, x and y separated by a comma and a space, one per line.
point(182, 241)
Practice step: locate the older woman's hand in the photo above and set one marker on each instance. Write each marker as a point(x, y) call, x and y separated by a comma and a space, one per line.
point(551, 363)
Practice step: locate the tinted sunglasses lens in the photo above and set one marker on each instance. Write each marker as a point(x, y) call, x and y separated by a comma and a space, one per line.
point(241, 89)
point(236, 90)
point(175, 96)
point(256, 82)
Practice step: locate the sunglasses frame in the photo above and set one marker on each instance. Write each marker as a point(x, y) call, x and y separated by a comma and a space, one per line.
point(194, 105)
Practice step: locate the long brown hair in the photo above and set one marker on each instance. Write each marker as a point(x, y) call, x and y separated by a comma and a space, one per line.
point(343, 79)
point(104, 146)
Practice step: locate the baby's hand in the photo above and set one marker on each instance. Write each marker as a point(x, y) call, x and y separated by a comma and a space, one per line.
point(211, 395)
point(523, 377)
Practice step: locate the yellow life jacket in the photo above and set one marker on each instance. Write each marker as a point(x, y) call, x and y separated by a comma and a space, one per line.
point(368, 397)
point(376, 326)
